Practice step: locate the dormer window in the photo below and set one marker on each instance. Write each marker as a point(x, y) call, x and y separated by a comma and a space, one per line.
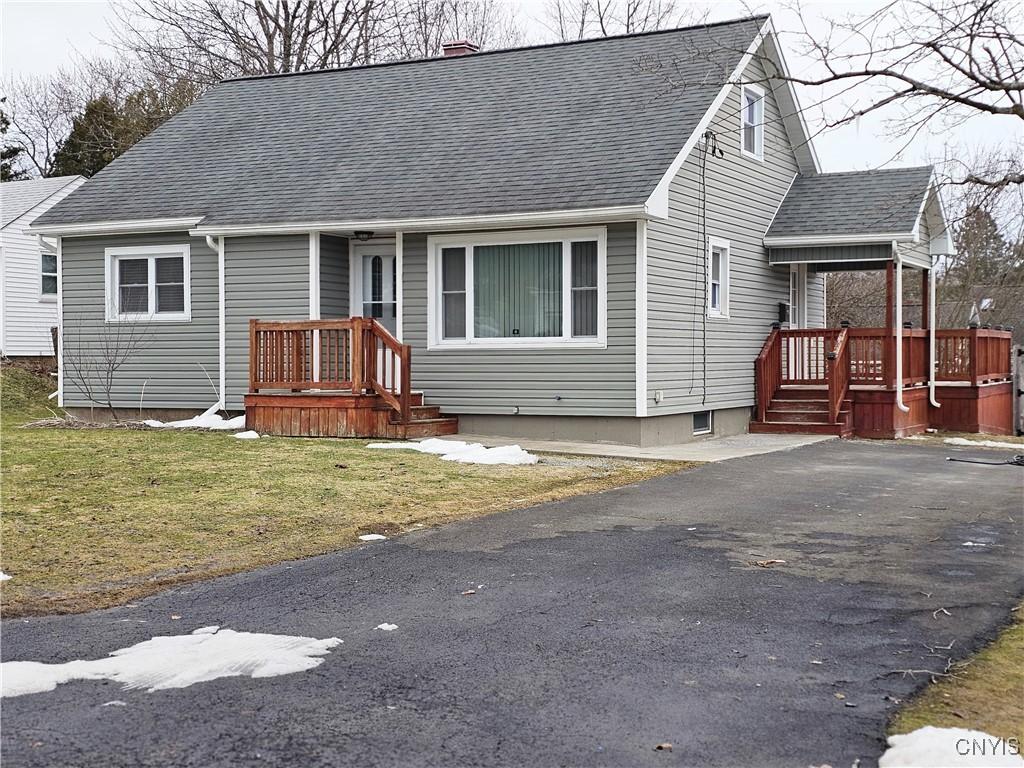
point(752, 121)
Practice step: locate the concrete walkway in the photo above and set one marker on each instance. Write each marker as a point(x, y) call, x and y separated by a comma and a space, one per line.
point(709, 449)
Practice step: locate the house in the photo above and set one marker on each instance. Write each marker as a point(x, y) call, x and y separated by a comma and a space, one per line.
point(586, 240)
point(28, 266)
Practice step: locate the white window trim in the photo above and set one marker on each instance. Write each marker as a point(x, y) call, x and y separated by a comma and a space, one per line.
point(47, 298)
point(150, 252)
point(759, 92)
point(711, 423)
point(723, 311)
point(566, 236)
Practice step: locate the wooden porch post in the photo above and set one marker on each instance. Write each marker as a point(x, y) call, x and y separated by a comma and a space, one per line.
point(889, 365)
point(926, 299)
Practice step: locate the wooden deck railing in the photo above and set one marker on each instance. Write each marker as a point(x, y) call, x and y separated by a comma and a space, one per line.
point(768, 373)
point(356, 354)
point(867, 356)
point(838, 375)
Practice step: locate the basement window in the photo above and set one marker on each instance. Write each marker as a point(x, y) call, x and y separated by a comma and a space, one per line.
point(148, 283)
point(702, 423)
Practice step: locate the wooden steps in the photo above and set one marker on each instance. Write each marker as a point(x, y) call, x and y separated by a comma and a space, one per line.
point(803, 410)
point(342, 414)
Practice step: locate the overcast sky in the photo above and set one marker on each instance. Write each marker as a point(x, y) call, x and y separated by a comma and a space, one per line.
point(40, 36)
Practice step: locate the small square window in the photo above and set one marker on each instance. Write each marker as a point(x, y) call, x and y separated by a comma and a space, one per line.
point(702, 423)
point(148, 283)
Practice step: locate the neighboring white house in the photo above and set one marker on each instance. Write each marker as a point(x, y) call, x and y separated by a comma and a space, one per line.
point(28, 266)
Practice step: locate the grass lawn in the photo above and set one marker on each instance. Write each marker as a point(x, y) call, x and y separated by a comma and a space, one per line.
point(985, 692)
point(94, 517)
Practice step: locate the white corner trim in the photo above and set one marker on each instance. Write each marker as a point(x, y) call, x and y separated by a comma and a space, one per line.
point(221, 327)
point(116, 227)
point(399, 279)
point(60, 322)
point(657, 202)
point(641, 318)
point(566, 235)
point(151, 253)
point(556, 218)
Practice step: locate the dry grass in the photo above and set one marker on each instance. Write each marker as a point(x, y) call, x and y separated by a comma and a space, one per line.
point(985, 692)
point(94, 517)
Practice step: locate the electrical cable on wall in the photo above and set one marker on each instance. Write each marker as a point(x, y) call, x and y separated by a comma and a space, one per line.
point(708, 144)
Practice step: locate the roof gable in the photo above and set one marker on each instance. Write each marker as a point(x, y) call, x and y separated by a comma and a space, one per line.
point(19, 197)
point(562, 127)
point(857, 205)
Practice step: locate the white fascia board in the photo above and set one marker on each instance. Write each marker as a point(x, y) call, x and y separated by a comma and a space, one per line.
point(127, 226)
point(811, 241)
point(439, 224)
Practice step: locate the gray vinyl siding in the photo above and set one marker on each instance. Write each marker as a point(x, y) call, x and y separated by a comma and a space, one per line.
point(919, 253)
point(831, 253)
point(742, 196)
point(265, 277)
point(167, 370)
point(334, 288)
point(815, 300)
point(595, 382)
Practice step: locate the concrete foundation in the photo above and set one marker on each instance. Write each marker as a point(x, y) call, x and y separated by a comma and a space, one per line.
point(650, 431)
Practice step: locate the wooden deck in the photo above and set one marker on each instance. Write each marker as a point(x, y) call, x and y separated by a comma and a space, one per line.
point(335, 378)
point(843, 382)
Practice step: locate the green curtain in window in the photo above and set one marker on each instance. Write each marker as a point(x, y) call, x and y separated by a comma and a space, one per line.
point(517, 290)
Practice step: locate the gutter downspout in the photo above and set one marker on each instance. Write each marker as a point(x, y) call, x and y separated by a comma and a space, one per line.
point(899, 327)
point(218, 246)
point(934, 364)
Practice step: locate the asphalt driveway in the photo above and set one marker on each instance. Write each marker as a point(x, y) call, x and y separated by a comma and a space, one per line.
point(600, 627)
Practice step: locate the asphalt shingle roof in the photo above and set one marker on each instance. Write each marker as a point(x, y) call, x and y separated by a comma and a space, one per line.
point(557, 127)
point(854, 203)
point(19, 197)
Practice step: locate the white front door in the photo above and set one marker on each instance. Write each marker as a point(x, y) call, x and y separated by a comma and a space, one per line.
point(374, 284)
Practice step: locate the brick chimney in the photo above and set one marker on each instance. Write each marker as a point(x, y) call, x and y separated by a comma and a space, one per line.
point(459, 48)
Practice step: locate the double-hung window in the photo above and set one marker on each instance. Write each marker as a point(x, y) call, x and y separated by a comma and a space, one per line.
point(752, 121)
point(48, 276)
point(148, 283)
point(523, 289)
point(718, 277)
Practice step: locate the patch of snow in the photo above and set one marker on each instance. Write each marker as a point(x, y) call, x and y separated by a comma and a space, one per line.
point(465, 453)
point(983, 443)
point(114, 703)
point(972, 544)
point(373, 537)
point(387, 627)
point(249, 435)
point(208, 419)
point(176, 661)
point(4, 576)
point(930, 746)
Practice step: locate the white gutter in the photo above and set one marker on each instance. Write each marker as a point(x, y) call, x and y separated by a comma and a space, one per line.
point(435, 224)
point(218, 246)
point(127, 226)
point(810, 241)
point(933, 300)
point(898, 261)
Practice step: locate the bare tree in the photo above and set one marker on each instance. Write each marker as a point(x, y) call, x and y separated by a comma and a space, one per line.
point(40, 111)
point(95, 351)
point(583, 19)
point(412, 29)
point(205, 41)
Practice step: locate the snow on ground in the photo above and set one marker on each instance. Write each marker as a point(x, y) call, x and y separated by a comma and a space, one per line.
point(930, 747)
point(465, 453)
point(387, 627)
point(208, 419)
point(983, 443)
point(250, 435)
point(176, 661)
point(372, 537)
point(4, 576)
